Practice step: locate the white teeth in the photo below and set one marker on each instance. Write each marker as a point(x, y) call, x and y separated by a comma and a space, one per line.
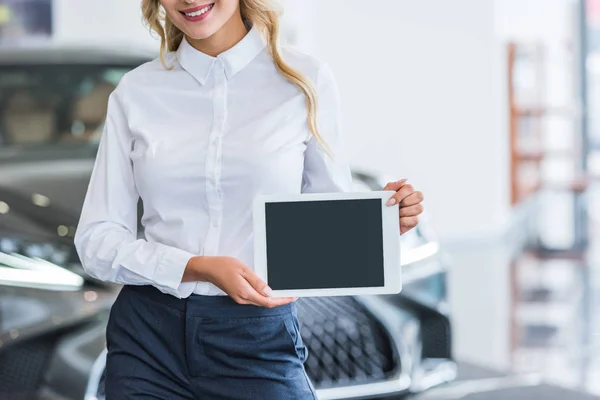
point(199, 12)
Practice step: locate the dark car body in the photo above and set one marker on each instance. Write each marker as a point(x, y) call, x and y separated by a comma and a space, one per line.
point(53, 317)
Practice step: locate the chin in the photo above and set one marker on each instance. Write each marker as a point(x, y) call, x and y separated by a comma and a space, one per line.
point(199, 34)
point(196, 30)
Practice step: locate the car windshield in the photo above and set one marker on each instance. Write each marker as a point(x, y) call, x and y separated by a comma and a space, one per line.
point(50, 105)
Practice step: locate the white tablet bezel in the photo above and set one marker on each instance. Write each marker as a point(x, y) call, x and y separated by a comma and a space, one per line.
point(391, 243)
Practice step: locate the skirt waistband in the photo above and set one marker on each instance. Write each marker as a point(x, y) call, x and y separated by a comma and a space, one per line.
point(210, 306)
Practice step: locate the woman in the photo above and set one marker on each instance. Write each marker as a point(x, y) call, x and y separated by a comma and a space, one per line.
point(224, 114)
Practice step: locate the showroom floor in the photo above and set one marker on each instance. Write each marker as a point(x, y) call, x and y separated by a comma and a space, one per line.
point(478, 383)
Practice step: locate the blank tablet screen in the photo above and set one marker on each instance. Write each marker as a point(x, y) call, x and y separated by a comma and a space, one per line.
point(324, 244)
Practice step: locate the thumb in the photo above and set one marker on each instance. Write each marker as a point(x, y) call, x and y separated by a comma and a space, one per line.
point(395, 186)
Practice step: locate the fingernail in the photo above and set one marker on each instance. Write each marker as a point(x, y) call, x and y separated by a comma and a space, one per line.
point(391, 201)
point(268, 291)
point(401, 181)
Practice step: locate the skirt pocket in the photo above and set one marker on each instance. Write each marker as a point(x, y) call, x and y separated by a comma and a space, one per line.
point(255, 347)
point(293, 327)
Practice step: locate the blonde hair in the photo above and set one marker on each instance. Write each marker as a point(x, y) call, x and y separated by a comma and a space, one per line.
point(261, 14)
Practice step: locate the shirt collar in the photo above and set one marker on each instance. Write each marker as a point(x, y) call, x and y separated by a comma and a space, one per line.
point(234, 60)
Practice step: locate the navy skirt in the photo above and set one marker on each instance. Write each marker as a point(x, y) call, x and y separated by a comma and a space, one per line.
point(203, 347)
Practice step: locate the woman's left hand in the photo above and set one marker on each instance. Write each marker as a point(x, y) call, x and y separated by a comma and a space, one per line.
point(410, 203)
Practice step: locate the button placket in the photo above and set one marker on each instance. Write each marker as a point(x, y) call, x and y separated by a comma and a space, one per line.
point(221, 123)
point(213, 162)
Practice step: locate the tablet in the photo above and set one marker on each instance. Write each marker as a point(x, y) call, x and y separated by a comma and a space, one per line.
point(327, 244)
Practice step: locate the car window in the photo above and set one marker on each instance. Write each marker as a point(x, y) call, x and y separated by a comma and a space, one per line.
point(54, 105)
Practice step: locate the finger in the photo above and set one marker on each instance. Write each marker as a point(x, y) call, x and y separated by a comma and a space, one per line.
point(412, 199)
point(258, 284)
point(258, 299)
point(408, 223)
point(404, 191)
point(394, 185)
point(280, 301)
point(411, 211)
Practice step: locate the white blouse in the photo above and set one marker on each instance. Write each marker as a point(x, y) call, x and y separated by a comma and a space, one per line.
point(197, 143)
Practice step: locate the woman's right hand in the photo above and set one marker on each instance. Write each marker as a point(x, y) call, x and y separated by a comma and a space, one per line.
point(234, 278)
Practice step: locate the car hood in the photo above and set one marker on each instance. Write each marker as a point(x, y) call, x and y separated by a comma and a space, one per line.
point(42, 285)
point(29, 212)
point(36, 243)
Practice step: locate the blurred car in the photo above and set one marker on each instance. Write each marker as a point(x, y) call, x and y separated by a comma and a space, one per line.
point(53, 316)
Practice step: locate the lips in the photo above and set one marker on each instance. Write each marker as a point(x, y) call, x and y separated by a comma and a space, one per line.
point(197, 13)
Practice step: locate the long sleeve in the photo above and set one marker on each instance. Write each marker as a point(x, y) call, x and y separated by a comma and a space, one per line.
point(106, 238)
point(327, 172)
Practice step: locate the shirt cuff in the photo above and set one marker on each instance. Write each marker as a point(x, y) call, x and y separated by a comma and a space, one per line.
point(170, 271)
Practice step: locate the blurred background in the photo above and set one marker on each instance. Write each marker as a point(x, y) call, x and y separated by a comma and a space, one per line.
point(489, 107)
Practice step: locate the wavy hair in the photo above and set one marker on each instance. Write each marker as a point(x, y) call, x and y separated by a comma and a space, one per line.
point(261, 14)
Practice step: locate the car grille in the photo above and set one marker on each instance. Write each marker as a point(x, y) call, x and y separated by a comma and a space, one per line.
point(346, 345)
point(22, 367)
point(435, 334)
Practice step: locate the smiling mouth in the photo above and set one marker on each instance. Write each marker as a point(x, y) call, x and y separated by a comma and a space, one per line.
point(198, 11)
